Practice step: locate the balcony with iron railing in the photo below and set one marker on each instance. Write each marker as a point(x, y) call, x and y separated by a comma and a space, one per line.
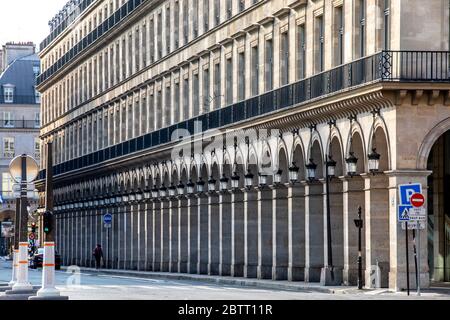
point(386, 66)
point(19, 124)
point(19, 99)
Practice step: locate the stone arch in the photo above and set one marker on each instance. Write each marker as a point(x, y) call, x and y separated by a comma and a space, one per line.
point(283, 162)
point(316, 154)
point(336, 151)
point(297, 156)
point(428, 142)
point(356, 143)
point(382, 143)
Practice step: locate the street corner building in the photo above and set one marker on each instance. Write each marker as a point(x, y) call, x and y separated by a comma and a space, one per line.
point(239, 138)
point(19, 128)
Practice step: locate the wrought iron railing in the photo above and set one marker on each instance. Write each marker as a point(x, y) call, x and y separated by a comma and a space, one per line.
point(404, 66)
point(19, 124)
point(19, 99)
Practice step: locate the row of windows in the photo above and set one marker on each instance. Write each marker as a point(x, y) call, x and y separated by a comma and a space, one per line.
point(8, 150)
point(189, 12)
point(9, 96)
point(123, 58)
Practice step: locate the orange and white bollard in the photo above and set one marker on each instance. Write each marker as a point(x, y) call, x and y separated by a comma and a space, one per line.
point(48, 273)
point(22, 283)
point(14, 268)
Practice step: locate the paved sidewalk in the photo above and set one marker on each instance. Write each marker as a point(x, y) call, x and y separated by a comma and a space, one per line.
point(244, 282)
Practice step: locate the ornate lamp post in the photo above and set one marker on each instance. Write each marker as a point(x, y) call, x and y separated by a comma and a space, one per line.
point(211, 184)
point(311, 169)
point(235, 181)
point(200, 185)
point(293, 173)
point(190, 187)
point(359, 223)
point(224, 183)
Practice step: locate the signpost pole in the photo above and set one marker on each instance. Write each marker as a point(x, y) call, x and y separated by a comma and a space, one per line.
point(418, 263)
point(407, 257)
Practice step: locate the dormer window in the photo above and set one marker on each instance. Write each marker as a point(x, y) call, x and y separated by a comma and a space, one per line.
point(36, 70)
point(8, 94)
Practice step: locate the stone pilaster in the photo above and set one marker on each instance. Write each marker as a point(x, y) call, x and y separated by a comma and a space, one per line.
point(237, 234)
point(225, 231)
point(296, 232)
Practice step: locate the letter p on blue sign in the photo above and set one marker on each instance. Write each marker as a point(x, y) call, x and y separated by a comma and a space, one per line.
point(406, 191)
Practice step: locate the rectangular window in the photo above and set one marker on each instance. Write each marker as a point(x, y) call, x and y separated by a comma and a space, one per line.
point(168, 31)
point(144, 46)
point(217, 92)
point(320, 43)
point(241, 5)
point(241, 77)
point(195, 17)
point(37, 148)
point(37, 95)
point(284, 59)
point(229, 9)
point(176, 102)
point(255, 71)
point(339, 36)
point(361, 16)
point(8, 147)
point(186, 99)
point(152, 41)
point(206, 15)
point(176, 22)
point(206, 94)
point(137, 50)
point(185, 22)
point(37, 119)
point(7, 183)
point(269, 66)
point(158, 111)
point(195, 98)
point(159, 36)
point(131, 65)
point(301, 52)
point(229, 82)
point(8, 95)
point(168, 107)
point(217, 12)
point(8, 119)
point(387, 25)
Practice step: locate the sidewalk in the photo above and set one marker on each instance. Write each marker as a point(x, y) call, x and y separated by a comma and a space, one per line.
point(223, 280)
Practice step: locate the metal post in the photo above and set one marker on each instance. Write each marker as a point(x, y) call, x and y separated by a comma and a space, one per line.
point(330, 249)
point(415, 256)
point(418, 261)
point(360, 226)
point(407, 257)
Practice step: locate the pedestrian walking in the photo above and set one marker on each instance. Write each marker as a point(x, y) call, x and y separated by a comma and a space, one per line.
point(98, 255)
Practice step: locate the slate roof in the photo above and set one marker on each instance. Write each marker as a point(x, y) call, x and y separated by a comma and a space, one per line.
point(20, 73)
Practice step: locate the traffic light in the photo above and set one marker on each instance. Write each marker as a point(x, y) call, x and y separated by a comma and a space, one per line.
point(48, 222)
point(33, 227)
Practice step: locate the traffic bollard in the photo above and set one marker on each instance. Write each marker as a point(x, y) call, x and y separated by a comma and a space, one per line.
point(22, 283)
point(48, 273)
point(14, 268)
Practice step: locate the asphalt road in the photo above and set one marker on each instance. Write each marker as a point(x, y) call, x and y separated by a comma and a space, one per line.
point(93, 286)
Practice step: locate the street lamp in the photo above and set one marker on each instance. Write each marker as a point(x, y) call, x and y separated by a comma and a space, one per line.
point(277, 176)
point(132, 197)
point(139, 195)
point(359, 223)
point(190, 187)
point(293, 173)
point(235, 181)
point(351, 164)
point(172, 190)
point(180, 188)
point(162, 191)
point(374, 161)
point(147, 193)
point(249, 179)
point(331, 166)
point(262, 180)
point(311, 168)
point(155, 192)
point(200, 186)
point(211, 184)
point(224, 183)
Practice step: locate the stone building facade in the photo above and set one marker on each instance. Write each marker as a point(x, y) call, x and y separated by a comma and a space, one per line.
point(206, 129)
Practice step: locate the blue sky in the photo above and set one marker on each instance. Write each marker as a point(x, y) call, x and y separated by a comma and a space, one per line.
point(27, 20)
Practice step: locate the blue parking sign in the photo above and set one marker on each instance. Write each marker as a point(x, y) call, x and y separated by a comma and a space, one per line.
point(406, 191)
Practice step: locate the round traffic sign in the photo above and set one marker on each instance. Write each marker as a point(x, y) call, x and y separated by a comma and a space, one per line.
point(107, 218)
point(417, 200)
point(32, 168)
point(32, 236)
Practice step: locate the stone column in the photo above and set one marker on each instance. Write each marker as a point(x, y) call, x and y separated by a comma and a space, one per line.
point(265, 239)
point(397, 245)
point(149, 236)
point(142, 236)
point(251, 233)
point(377, 224)
point(213, 234)
point(296, 232)
point(134, 236)
point(157, 232)
point(193, 234)
point(237, 234)
point(183, 234)
point(120, 236)
point(173, 215)
point(353, 197)
point(225, 227)
point(280, 233)
point(203, 234)
point(129, 219)
point(165, 229)
point(314, 231)
point(115, 233)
